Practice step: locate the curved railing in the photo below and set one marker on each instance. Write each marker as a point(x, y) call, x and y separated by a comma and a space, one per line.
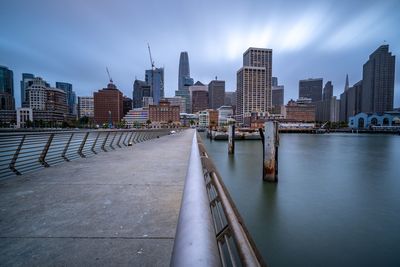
point(210, 231)
point(28, 151)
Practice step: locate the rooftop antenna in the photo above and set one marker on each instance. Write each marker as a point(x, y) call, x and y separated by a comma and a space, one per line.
point(109, 77)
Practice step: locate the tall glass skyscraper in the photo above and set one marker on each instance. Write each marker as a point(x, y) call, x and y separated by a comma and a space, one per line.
point(6, 89)
point(184, 80)
point(71, 96)
point(155, 78)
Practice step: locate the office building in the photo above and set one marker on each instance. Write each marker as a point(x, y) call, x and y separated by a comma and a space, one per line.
point(224, 113)
point(378, 81)
point(85, 106)
point(254, 82)
point(136, 117)
point(27, 80)
point(147, 100)
point(71, 96)
point(155, 78)
point(311, 88)
point(198, 97)
point(216, 93)
point(184, 80)
point(127, 104)
point(24, 117)
point(177, 101)
point(164, 113)
point(108, 105)
point(7, 101)
point(327, 93)
point(140, 89)
point(278, 93)
point(274, 81)
point(230, 100)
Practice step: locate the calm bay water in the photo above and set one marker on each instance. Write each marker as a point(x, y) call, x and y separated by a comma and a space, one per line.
point(337, 202)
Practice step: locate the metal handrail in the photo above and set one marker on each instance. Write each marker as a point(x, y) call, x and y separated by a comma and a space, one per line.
point(22, 152)
point(210, 231)
point(195, 243)
point(234, 240)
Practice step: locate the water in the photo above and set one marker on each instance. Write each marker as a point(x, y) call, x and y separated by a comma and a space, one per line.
point(337, 202)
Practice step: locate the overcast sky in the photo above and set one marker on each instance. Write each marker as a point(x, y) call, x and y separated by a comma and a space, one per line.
point(73, 41)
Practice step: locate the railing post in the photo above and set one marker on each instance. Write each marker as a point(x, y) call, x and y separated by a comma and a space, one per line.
point(104, 142)
point(119, 140)
point(126, 136)
point(130, 139)
point(83, 145)
point(45, 150)
point(15, 157)
point(94, 143)
point(63, 155)
point(112, 141)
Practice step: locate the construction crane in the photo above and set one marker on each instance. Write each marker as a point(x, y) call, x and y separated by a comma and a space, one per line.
point(151, 58)
point(109, 77)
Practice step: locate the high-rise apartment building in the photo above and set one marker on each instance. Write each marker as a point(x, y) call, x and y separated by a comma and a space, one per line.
point(254, 82)
point(140, 89)
point(85, 106)
point(71, 96)
point(378, 81)
point(311, 88)
point(216, 93)
point(108, 105)
point(184, 80)
point(155, 78)
point(7, 101)
point(198, 97)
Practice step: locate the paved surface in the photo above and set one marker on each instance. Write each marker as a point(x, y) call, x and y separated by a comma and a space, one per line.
point(117, 208)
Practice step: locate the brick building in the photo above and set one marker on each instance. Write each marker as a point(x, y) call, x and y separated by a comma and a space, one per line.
point(108, 105)
point(300, 111)
point(164, 112)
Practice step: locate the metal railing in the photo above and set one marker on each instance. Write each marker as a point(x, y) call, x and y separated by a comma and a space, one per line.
point(25, 152)
point(228, 243)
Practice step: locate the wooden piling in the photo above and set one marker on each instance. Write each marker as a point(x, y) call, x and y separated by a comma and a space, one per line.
point(270, 155)
point(231, 139)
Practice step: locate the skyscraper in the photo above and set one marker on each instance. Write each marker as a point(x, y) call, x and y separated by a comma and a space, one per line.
point(216, 93)
point(184, 80)
point(27, 80)
point(71, 96)
point(311, 88)
point(274, 81)
point(328, 91)
point(198, 97)
point(7, 101)
point(378, 81)
point(155, 78)
point(254, 82)
point(278, 92)
point(140, 89)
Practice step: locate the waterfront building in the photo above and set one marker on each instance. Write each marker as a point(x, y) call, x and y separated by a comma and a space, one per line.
point(7, 101)
point(164, 113)
point(71, 96)
point(224, 113)
point(327, 110)
point(127, 104)
point(184, 80)
point(25, 83)
point(208, 118)
point(300, 110)
point(56, 100)
point(203, 119)
point(198, 97)
point(351, 100)
point(86, 106)
point(216, 93)
point(254, 82)
point(311, 88)
point(136, 117)
point(8, 118)
point(108, 105)
point(378, 81)
point(177, 101)
point(155, 79)
point(189, 119)
point(367, 120)
point(140, 89)
point(24, 116)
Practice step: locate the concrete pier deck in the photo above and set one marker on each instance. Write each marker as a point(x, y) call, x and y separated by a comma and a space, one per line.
point(114, 209)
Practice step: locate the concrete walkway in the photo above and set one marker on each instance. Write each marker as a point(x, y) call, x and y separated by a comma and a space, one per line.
point(116, 208)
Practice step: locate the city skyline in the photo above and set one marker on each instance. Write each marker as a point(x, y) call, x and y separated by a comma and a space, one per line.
point(313, 39)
